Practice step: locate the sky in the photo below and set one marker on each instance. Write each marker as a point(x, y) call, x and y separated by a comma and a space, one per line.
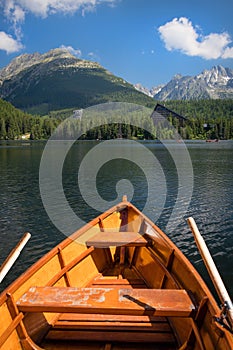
point(142, 41)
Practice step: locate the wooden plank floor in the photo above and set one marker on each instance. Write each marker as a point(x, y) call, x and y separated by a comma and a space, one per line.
point(71, 331)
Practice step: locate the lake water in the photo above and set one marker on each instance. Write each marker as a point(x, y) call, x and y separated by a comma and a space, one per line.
point(156, 187)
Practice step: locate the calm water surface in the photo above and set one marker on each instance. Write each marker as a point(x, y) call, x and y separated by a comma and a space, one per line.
point(211, 205)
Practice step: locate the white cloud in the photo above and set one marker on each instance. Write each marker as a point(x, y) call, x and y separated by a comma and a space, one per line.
point(16, 10)
point(148, 52)
point(8, 44)
point(93, 56)
point(228, 53)
point(75, 52)
point(44, 8)
point(180, 34)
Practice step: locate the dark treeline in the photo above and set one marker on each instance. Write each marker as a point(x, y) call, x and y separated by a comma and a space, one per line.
point(205, 118)
point(15, 123)
point(211, 119)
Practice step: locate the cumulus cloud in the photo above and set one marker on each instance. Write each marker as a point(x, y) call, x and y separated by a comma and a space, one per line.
point(93, 56)
point(181, 35)
point(44, 8)
point(75, 52)
point(15, 12)
point(228, 53)
point(8, 44)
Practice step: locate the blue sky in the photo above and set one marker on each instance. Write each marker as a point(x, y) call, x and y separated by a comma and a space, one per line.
point(142, 41)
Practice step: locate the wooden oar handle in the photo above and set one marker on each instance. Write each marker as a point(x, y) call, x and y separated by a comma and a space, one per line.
point(212, 269)
point(7, 264)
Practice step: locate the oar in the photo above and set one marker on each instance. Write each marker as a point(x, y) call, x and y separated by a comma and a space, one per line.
point(6, 266)
point(212, 269)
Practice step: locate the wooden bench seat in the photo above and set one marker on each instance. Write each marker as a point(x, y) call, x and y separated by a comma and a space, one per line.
point(119, 239)
point(152, 302)
point(105, 239)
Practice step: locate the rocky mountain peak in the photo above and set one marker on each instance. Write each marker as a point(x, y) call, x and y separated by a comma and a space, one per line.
point(61, 56)
point(218, 75)
point(177, 77)
point(216, 83)
point(141, 88)
point(57, 80)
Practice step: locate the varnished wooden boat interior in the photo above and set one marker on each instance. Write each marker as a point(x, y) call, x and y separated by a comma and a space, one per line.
point(117, 283)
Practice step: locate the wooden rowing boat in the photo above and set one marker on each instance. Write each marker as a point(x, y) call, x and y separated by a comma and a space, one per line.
point(117, 283)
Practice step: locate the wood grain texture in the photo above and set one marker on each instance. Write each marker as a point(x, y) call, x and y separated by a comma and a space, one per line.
point(107, 301)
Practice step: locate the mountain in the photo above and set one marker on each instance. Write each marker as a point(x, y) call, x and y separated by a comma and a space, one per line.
point(39, 83)
point(216, 83)
point(150, 92)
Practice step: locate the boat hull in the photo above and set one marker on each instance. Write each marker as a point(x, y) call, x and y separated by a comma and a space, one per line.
point(151, 293)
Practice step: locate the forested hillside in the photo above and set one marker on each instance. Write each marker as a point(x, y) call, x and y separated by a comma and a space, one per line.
point(205, 119)
point(55, 80)
point(15, 123)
